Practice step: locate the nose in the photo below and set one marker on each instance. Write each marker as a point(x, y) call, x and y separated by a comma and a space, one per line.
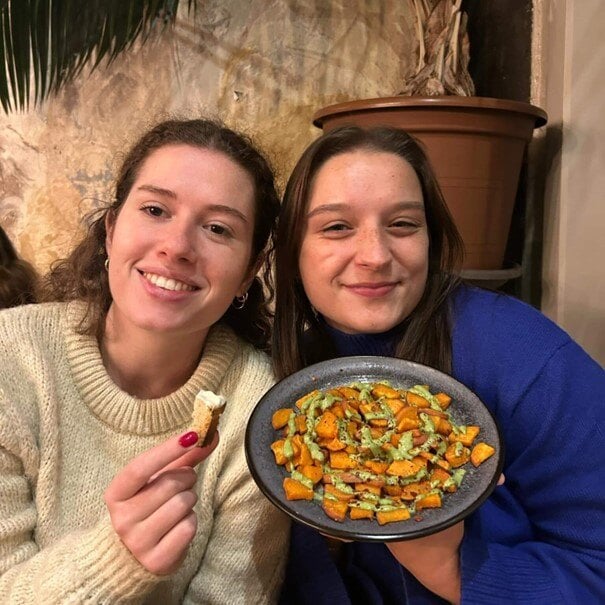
point(178, 243)
point(372, 249)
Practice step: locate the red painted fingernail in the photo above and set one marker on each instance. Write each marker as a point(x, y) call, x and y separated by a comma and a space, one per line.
point(188, 439)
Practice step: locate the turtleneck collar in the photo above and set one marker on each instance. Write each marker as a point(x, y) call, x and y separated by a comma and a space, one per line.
point(364, 344)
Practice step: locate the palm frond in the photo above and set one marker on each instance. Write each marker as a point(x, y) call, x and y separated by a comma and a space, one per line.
point(46, 43)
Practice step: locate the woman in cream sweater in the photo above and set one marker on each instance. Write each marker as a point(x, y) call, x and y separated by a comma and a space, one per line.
point(103, 499)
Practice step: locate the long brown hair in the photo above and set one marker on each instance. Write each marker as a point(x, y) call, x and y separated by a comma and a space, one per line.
point(426, 337)
point(82, 275)
point(18, 278)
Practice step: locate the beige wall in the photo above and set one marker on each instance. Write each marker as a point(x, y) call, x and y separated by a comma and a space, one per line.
point(263, 67)
point(569, 83)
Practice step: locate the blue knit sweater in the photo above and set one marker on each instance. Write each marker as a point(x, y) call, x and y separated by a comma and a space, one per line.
point(540, 538)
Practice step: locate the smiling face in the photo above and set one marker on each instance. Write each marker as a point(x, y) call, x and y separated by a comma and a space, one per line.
point(364, 254)
point(180, 247)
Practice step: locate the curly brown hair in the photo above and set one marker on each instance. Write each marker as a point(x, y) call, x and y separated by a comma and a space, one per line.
point(19, 280)
point(82, 276)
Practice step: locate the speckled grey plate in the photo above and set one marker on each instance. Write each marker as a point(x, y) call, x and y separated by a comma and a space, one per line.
point(466, 408)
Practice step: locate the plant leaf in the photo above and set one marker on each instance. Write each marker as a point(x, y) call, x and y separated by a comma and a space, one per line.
point(47, 43)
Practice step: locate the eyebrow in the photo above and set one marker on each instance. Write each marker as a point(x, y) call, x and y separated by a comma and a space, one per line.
point(325, 208)
point(213, 207)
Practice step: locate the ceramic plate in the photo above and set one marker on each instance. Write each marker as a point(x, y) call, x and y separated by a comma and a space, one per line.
point(466, 408)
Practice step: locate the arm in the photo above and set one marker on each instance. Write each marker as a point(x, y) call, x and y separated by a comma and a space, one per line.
point(92, 563)
point(542, 538)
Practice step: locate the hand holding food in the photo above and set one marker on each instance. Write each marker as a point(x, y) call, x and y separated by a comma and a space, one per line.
point(151, 501)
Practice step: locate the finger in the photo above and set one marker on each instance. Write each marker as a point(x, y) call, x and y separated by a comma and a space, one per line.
point(501, 479)
point(159, 491)
point(137, 473)
point(193, 456)
point(162, 520)
point(169, 553)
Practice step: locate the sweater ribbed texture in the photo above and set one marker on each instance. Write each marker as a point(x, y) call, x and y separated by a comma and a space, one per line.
point(66, 429)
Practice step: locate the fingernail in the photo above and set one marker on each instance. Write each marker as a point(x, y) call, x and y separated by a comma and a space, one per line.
point(188, 439)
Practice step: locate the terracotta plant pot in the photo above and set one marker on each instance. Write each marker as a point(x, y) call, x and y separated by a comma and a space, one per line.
point(476, 146)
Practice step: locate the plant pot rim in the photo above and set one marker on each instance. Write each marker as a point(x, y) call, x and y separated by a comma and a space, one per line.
point(437, 102)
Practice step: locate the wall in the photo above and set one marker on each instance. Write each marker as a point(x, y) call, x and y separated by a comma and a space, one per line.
point(569, 72)
point(263, 67)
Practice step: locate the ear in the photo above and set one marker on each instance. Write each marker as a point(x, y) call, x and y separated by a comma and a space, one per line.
point(251, 274)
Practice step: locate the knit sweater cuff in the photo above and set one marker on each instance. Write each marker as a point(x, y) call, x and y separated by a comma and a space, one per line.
point(109, 570)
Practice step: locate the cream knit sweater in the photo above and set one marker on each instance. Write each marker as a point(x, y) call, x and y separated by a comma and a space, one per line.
point(66, 429)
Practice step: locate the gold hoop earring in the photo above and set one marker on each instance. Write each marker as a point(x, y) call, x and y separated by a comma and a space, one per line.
point(239, 301)
point(106, 264)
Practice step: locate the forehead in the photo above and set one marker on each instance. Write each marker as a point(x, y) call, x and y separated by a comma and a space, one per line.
point(178, 157)
point(364, 172)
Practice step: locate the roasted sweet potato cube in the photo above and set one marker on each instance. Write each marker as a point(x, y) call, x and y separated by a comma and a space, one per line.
point(327, 425)
point(379, 422)
point(301, 401)
point(353, 404)
point(366, 487)
point(278, 451)
point(335, 509)
point(467, 437)
point(376, 466)
point(391, 516)
point(394, 405)
point(349, 392)
point(429, 501)
point(337, 409)
point(280, 418)
point(440, 475)
point(365, 407)
point(337, 493)
point(352, 427)
point(311, 471)
point(304, 456)
point(335, 393)
point(481, 452)
point(419, 462)
point(392, 490)
point(295, 490)
point(341, 460)
point(457, 455)
point(356, 512)
point(402, 468)
point(413, 490)
point(417, 400)
point(350, 449)
point(300, 422)
point(443, 426)
point(444, 400)
point(382, 390)
point(335, 445)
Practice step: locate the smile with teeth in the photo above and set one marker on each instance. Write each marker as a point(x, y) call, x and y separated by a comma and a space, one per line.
point(168, 283)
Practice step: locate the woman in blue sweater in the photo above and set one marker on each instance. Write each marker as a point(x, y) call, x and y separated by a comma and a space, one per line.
point(366, 260)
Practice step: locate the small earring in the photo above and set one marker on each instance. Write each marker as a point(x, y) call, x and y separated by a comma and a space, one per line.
point(106, 264)
point(239, 301)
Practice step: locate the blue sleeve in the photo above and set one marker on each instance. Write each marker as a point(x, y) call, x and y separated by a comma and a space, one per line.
point(541, 537)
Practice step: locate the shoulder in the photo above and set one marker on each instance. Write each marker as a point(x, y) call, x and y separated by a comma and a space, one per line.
point(501, 345)
point(30, 323)
point(481, 315)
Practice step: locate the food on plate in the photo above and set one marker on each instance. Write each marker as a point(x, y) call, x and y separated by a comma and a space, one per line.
point(373, 451)
point(207, 409)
